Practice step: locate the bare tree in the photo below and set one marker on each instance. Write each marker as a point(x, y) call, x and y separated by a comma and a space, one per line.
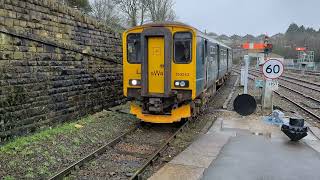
point(143, 10)
point(134, 11)
point(161, 10)
point(105, 10)
point(131, 9)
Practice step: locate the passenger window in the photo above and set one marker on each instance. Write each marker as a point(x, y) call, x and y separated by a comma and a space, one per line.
point(212, 50)
point(182, 47)
point(134, 48)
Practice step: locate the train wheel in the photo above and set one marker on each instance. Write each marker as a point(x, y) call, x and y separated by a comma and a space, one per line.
point(180, 123)
point(145, 124)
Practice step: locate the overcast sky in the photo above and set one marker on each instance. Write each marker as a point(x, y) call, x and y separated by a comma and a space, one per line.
point(248, 16)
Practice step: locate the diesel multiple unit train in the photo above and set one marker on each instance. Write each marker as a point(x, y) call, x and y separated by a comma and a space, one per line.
point(170, 70)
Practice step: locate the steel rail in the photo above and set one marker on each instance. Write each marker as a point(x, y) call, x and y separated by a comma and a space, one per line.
point(290, 81)
point(301, 80)
point(312, 73)
point(101, 150)
point(293, 90)
point(302, 94)
point(137, 174)
point(293, 102)
point(153, 157)
point(298, 105)
point(92, 155)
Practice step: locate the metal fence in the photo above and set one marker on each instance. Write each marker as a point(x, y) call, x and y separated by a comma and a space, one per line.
point(296, 66)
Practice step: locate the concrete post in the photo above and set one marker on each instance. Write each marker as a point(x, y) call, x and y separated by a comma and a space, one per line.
point(246, 72)
point(242, 72)
point(261, 59)
point(267, 94)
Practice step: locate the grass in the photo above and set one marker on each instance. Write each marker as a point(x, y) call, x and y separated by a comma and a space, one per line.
point(20, 143)
point(42, 152)
point(8, 178)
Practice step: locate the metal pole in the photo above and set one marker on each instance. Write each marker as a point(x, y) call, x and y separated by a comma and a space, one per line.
point(246, 72)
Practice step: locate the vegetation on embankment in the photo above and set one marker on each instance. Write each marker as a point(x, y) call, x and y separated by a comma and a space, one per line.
point(40, 155)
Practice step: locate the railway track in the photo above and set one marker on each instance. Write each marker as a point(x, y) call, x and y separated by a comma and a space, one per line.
point(125, 157)
point(312, 73)
point(299, 82)
point(316, 100)
point(301, 100)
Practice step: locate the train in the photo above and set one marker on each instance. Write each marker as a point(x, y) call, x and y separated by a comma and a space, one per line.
point(171, 70)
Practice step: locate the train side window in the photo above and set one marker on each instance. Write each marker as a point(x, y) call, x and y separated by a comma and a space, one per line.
point(134, 48)
point(212, 50)
point(182, 47)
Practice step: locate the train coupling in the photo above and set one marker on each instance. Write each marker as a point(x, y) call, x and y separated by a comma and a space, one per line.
point(155, 105)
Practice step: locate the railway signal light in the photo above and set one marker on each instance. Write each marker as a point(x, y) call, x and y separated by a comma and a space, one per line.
point(268, 48)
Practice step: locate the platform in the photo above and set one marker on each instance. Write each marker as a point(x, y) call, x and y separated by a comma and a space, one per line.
point(245, 148)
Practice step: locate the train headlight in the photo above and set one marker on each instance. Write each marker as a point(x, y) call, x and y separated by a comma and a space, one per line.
point(134, 82)
point(181, 84)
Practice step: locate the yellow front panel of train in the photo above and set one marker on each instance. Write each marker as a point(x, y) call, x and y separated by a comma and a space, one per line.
point(156, 65)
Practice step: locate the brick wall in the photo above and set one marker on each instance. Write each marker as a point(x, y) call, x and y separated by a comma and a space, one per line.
point(55, 65)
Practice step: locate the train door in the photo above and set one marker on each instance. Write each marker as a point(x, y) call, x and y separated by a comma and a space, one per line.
point(156, 65)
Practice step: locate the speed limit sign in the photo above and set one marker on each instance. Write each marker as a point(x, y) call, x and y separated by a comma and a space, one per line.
point(272, 69)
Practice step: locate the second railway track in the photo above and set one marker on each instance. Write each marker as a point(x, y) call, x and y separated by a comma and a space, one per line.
point(297, 81)
point(308, 104)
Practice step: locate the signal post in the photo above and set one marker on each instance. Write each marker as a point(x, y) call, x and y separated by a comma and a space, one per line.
point(270, 70)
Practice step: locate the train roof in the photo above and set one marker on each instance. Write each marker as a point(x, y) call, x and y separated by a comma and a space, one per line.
point(175, 23)
point(213, 40)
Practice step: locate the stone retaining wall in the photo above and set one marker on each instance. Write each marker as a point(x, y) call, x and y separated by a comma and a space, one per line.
point(55, 65)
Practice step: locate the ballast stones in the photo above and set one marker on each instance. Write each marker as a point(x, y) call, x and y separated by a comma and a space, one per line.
point(245, 104)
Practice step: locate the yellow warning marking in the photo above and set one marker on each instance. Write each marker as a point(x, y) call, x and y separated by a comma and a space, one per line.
point(176, 114)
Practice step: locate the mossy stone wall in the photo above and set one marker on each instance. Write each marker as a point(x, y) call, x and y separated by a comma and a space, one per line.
point(56, 64)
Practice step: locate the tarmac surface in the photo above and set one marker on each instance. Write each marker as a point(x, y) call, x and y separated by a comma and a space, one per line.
point(255, 157)
point(237, 148)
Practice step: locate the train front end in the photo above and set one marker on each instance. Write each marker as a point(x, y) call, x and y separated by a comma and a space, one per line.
point(159, 71)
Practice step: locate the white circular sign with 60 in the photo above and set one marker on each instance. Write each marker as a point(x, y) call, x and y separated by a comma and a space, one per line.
point(272, 69)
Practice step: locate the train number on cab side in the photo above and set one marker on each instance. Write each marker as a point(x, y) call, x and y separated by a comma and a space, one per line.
point(183, 74)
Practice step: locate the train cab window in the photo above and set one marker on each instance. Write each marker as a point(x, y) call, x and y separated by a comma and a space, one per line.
point(134, 48)
point(182, 47)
